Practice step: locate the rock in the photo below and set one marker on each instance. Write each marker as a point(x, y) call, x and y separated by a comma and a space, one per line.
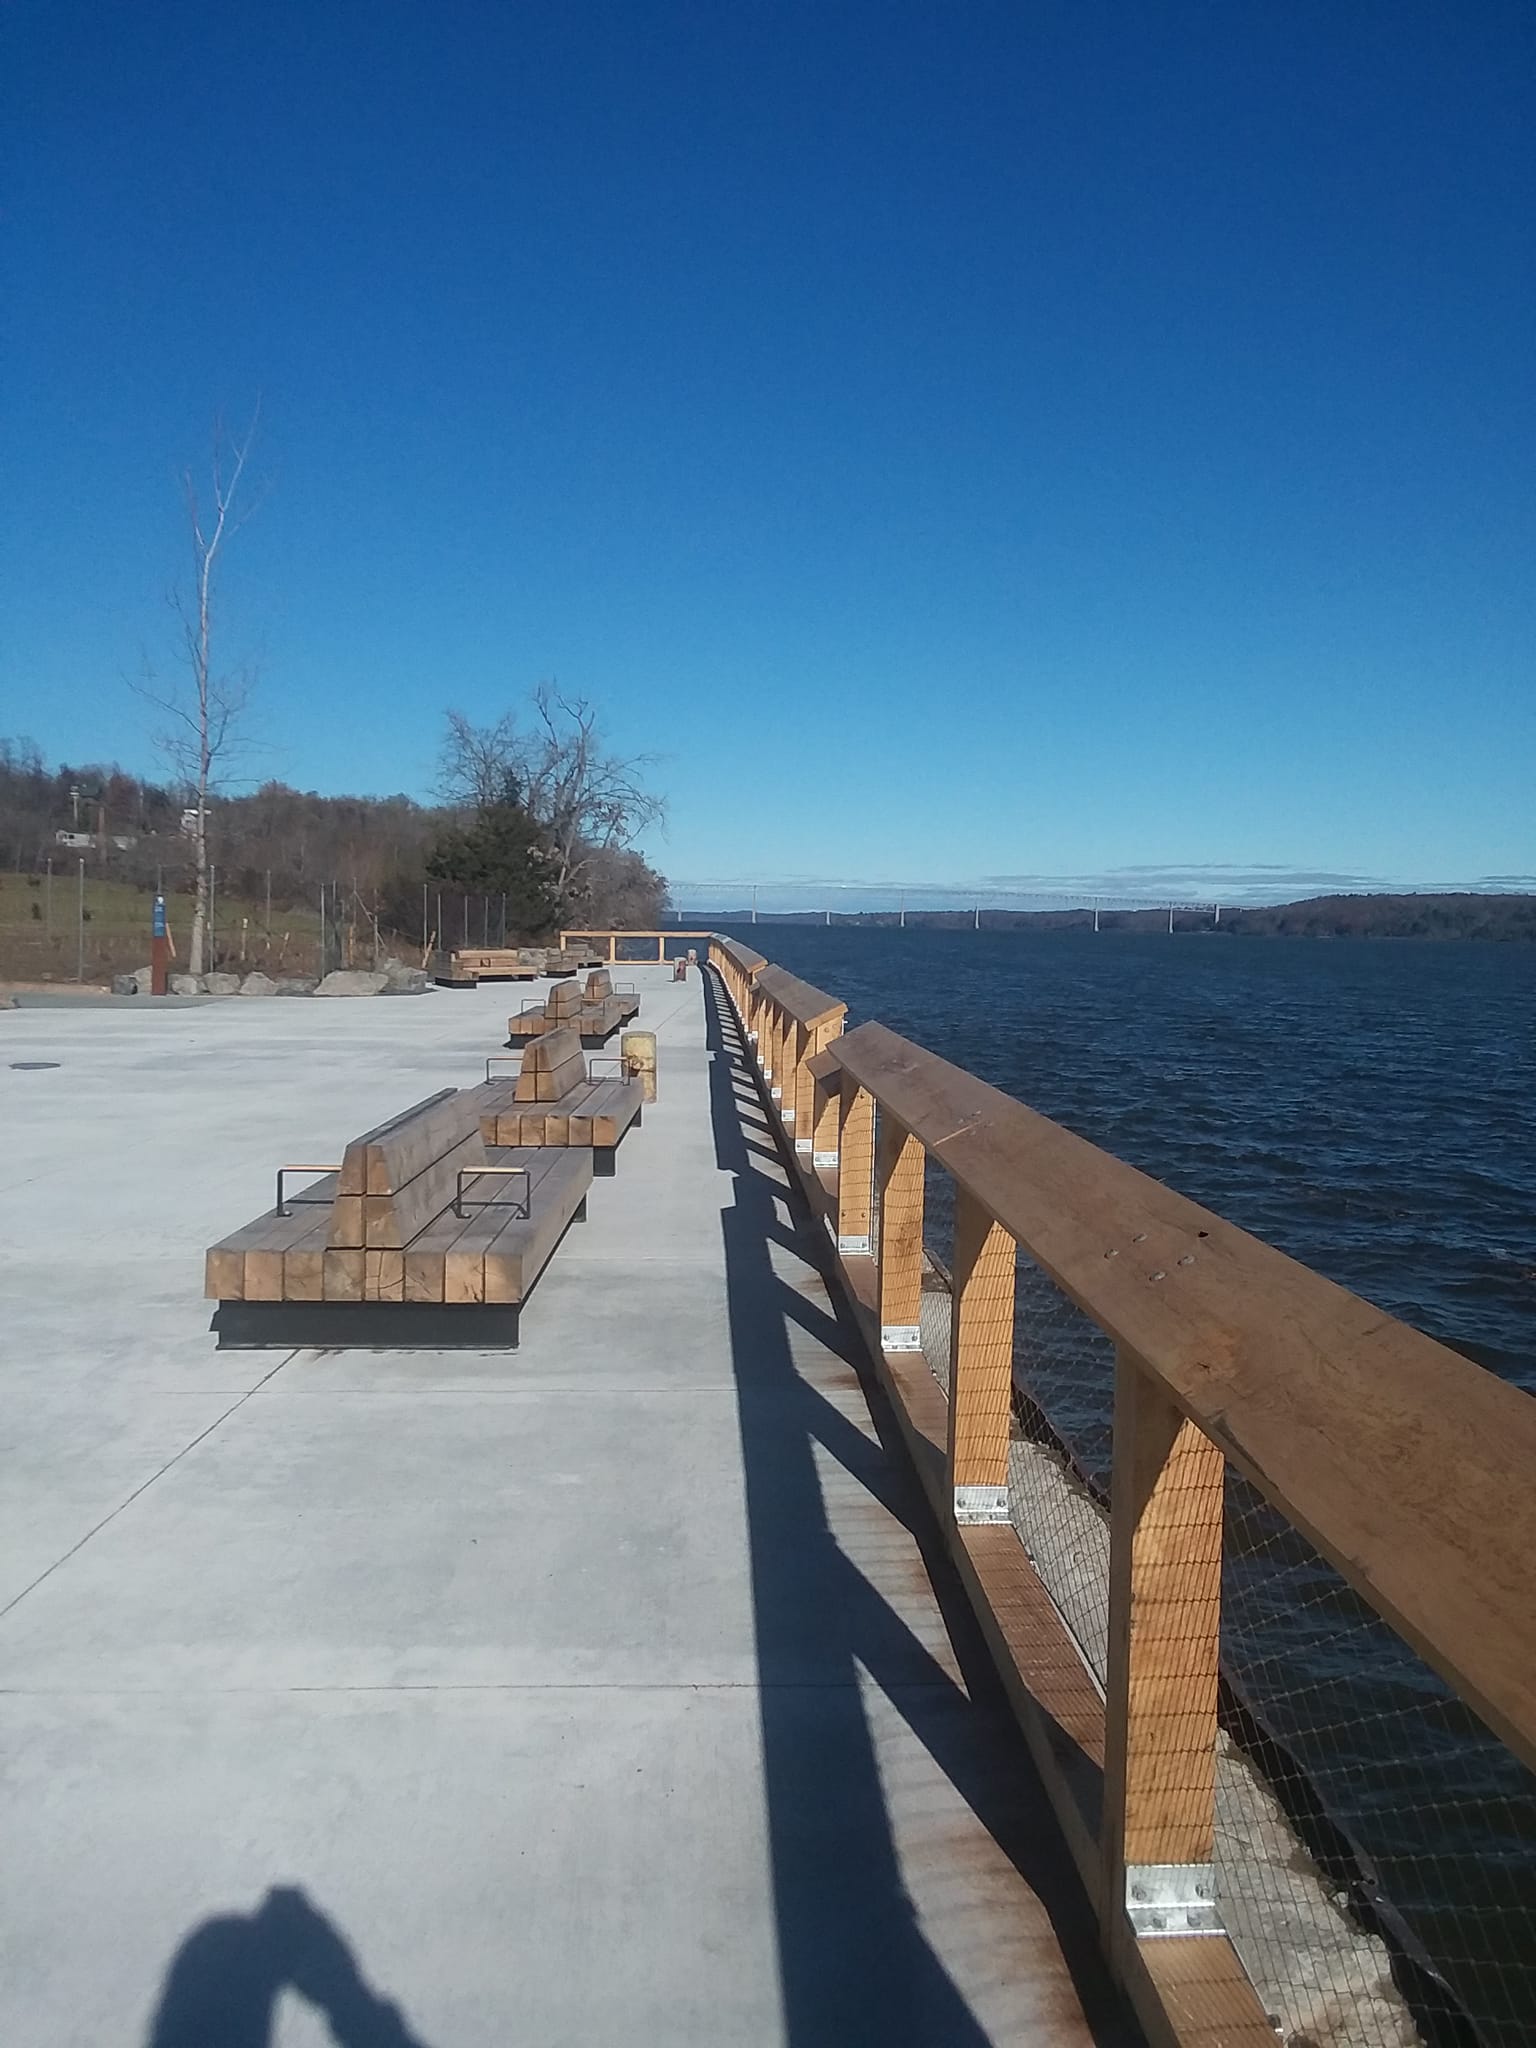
point(258, 985)
point(295, 985)
point(185, 985)
point(352, 981)
point(413, 982)
point(145, 977)
point(221, 984)
point(125, 985)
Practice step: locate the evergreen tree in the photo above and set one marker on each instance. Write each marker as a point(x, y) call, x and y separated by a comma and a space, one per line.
point(502, 852)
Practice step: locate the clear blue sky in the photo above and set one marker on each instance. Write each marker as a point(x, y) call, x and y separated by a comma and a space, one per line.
point(965, 440)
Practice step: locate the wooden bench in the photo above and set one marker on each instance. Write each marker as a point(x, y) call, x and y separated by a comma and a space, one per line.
point(467, 966)
point(422, 1236)
point(554, 1100)
point(596, 1019)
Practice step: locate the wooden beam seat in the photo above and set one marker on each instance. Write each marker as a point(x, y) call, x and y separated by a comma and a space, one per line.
point(423, 1236)
point(596, 1018)
point(555, 1101)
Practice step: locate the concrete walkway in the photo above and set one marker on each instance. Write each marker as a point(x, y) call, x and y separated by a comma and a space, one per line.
point(594, 1693)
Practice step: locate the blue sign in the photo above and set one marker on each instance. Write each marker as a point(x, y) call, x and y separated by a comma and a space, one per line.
point(158, 928)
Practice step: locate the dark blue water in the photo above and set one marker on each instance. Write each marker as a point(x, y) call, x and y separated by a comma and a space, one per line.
point(1367, 1106)
point(1370, 1108)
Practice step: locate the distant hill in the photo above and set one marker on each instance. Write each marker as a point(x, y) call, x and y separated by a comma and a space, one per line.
point(1462, 916)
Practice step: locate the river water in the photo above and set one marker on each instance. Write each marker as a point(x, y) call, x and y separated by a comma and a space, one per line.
point(1370, 1108)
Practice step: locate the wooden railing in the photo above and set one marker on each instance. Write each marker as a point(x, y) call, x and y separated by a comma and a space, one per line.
point(1405, 1465)
point(612, 940)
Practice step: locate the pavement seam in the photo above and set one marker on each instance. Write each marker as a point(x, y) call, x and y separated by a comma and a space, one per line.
point(201, 1436)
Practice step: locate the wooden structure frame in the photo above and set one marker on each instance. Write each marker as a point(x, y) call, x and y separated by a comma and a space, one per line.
point(611, 941)
point(1404, 1464)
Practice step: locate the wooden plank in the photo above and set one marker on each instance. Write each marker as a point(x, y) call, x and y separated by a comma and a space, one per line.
point(855, 1168)
point(1193, 1992)
point(520, 1252)
point(980, 1361)
point(304, 1263)
point(899, 1174)
point(799, 999)
point(1383, 1447)
point(383, 1276)
point(342, 1273)
point(391, 1221)
point(1164, 1630)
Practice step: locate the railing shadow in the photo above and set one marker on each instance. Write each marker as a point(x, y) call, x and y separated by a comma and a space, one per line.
point(856, 1966)
point(224, 1982)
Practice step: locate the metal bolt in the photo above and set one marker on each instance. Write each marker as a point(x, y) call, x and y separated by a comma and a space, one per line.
point(1138, 1891)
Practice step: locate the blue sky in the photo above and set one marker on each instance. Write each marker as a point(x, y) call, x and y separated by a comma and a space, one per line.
point(999, 440)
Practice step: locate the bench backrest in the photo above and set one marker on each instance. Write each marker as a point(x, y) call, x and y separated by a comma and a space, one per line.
point(552, 1066)
point(564, 1002)
point(394, 1180)
point(599, 985)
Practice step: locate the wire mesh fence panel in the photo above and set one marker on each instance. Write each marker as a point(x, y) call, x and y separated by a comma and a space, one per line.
point(1420, 1824)
point(1335, 1932)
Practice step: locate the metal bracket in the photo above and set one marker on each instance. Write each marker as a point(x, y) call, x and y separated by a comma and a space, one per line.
point(498, 1059)
point(802, 1144)
point(787, 1115)
point(824, 1159)
point(853, 1247)
point(776, 1093)
point(900, 1337)
point(976, 1504)
point(1171, 1898)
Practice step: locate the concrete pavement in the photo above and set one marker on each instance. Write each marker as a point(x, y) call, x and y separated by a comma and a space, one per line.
point(594, 1693)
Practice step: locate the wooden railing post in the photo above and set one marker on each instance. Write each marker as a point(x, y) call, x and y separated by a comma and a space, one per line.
point(899, 1172)
point(792, 1045)
point(1164, 1639)
point(810, 1095)
point(980, 1363)
point(855, 1168)
point(825, 1106)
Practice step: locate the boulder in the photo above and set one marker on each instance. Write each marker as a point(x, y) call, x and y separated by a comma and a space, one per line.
point(295, 985)
point(221, 984)
point(410, 981)
point(125, 985)
point(145, 977)
point(185, 985)
point(258, 985)
point(352, 981)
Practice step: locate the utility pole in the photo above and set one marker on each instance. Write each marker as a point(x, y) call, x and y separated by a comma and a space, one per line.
point(80, 928)
point(48, 897)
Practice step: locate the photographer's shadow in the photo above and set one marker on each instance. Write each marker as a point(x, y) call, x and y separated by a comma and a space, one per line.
point(222, 1988)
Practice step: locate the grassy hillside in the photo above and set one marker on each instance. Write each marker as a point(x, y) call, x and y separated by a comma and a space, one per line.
point(40, 930)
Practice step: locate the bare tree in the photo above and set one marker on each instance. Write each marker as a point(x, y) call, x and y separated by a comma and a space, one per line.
point(480, 765)
point(587, 800)
point(205, 710)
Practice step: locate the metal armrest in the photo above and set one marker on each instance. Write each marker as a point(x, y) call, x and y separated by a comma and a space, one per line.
point(472, 1172)
point(314, 1201)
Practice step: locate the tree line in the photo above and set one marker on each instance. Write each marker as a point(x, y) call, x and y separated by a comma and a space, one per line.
point(533, 808)
point(536, 808)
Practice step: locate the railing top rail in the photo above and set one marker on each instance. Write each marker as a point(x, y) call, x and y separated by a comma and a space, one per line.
point(1404, 1463)
point(612, 932)
point(807, 1005)
point(746, 960)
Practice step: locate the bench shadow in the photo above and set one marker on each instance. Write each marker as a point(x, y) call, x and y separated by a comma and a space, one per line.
point(856, 1965)
point(224, 1983)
